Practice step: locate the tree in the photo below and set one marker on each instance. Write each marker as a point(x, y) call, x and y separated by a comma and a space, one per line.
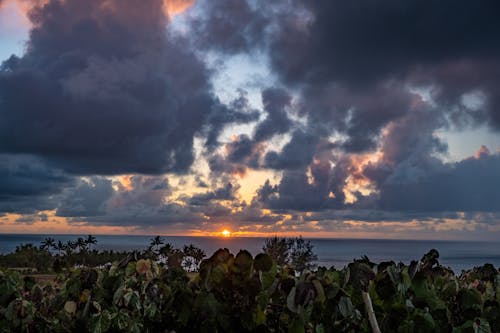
point(192, 257)
point(70, 247)
point(302, 255)
point(166, 250)
point(155, 243)
point(59, 247)
point(81, 244)
point(91, 240)
point(277, 248)
point(47, 243)
point(295, 252)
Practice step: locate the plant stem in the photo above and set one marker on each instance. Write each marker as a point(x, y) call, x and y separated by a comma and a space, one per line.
point(371, 313)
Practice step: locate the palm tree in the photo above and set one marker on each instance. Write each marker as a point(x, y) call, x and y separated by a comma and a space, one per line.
point(59, 247)
point(166, 249)
point(195, 252)
point(91, 240)
point(81, 244)
point(156, 242)
point(192, 257)
point(70, 247)
point(47, 243)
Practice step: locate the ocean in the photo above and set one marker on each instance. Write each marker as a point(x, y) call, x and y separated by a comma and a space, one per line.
point(458, 255)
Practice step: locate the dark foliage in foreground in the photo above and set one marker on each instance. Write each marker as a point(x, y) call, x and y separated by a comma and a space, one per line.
point(252, 294)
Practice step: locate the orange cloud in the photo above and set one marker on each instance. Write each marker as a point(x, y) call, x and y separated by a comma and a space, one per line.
point(176, 7)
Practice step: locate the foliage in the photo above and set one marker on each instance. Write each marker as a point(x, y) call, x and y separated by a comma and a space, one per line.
point(240, 293)
point(53, 257)
point(294, 252)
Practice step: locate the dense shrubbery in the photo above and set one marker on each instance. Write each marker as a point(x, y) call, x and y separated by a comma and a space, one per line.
point(245, 294)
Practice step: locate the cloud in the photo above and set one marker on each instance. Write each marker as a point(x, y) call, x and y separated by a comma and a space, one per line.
point(275, 102)
point(470, 185)
point(358, 44)
point(299, 152)
point(238, 112)
point(227, 192)
point(88, 198)
point(227, 26)
point(27, 185)
point(104, 88)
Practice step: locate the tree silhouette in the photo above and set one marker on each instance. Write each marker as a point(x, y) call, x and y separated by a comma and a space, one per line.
point(81, 244)
point(278, 249)
point(91, 240)
point(60, 247)
point(155, 243)
point(47, 243)
point(296, 252)
point(70, 247)
point(192, 257)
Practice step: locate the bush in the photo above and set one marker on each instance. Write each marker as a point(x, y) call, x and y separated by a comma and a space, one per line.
point(294, 252)
point(240, 293)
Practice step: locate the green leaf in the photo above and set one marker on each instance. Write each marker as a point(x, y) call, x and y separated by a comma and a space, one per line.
point(320, 292)
point(319, 328)
point(150, 310)
point(100, 323)
point(70, 307)
point(263, 262)
point(243, 263)
point(259, 316)
point(132, 299)
point(296, 326)
point(290, 301)
point(130, 270)
point(345, 307)
point(469, 299)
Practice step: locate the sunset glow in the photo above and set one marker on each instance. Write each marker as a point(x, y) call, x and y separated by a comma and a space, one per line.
point(176, 7)
point(226, 233)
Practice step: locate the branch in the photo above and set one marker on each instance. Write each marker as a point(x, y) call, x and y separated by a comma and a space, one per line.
point(371, 313)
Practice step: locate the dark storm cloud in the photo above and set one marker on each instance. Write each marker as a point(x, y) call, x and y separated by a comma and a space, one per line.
point(228, 26)
point(470, 185)
point(317, 187)
point(242, 151)
point(409, 176)
point(237, 112)
point(220, 166)
point(27, 185)
point(409, 148)
point(143, 192)
point(88, 198)
point(103, 88)
point(359, 42)
point(295, 192)
point(238, 149)
point(227, 192)
point(448, 45)
point(275, 102)
point(298, 152)
point(143, 202)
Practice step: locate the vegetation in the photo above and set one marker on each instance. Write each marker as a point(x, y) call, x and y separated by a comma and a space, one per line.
point(54, 257)
point(242, 293)
point(295, 252)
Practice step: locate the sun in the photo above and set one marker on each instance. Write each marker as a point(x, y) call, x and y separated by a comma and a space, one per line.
point(226, 233)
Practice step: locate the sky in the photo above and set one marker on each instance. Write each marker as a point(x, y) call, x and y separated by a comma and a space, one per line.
point(356, 119)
